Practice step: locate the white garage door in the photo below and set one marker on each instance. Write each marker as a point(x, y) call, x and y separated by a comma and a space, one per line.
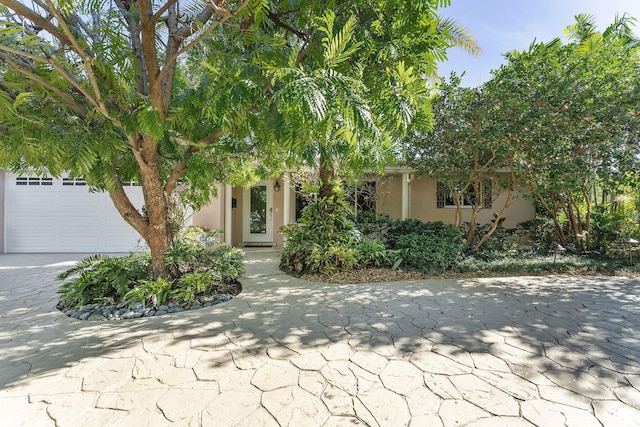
point(61, 215)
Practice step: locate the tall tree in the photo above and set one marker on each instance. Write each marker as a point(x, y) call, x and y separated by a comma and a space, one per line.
point(471, 165)
point(88, 87)
point(574, 107)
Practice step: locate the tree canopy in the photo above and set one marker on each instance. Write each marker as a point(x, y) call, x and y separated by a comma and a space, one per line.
point(555, 121)
point(188, 93)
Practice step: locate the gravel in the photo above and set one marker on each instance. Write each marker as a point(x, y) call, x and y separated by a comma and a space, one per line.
point(121, 311)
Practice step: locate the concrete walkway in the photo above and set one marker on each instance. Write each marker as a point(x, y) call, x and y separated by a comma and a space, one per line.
point(526, 351)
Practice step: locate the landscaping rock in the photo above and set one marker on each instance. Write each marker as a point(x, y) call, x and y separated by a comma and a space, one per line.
point(120, 311)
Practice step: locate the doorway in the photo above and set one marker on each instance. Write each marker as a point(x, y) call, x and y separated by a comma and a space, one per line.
point(258, 213)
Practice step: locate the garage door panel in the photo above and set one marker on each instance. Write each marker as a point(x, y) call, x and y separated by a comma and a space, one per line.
point(115, 245)
point(88, 203)
point(24, 243)
point(115, 223)
point(70, 223)
point(82, 243)
point(31, 222)
point(32, 202)
point(57, 218)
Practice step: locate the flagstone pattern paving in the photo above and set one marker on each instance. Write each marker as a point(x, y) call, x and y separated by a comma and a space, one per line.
point(544, 351)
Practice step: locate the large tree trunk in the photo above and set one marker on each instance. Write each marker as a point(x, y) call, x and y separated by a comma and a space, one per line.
point(159, 233)
point(327, 176)
point(154, 225)
point(157, 236)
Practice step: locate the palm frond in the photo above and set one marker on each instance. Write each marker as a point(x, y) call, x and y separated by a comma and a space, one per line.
point(582, 29)
point(458, 36)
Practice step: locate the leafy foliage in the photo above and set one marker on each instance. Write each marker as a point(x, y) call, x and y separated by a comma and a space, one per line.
point(558, 123)
point(534, 263)
point(200, 267)
point(326, 240)
point(168, 92)
point(573, 108)
point(431, 247)
point(101, 278)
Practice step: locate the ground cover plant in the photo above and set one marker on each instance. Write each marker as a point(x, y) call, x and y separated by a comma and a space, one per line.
point(200, 266)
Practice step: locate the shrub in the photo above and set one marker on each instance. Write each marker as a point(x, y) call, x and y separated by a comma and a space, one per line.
point(540, 232)
point(372, 225)
point(430, 247)
point(498, 242)
point(374, 253)
point(198, 265)
point(156, 292)
point(101, 278)
point(326, 241)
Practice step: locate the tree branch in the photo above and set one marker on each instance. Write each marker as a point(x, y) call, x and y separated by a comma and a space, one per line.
point(156, 16)
point(124, 206)
point(191, 29)
point(37, 19)
point(80, 110)
point(86, 58)
point(278, 23)
point(148, 38)
point(181, 167)
point(142, 78)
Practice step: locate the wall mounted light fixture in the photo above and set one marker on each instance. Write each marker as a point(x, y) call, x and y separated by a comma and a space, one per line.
point(276, 186)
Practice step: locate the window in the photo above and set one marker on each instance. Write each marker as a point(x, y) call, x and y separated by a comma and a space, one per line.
point(445, 198)
point(79, 182)
point(301, 200)
point(363, 196)
point(33, 180)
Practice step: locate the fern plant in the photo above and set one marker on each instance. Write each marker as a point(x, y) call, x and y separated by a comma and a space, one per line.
point(200, 266)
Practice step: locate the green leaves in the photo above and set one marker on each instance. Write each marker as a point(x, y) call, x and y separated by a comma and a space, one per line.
point(150, 122)
point(6, 105)
point(338, 47)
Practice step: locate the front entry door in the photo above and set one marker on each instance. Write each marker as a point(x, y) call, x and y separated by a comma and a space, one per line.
point(258, 213)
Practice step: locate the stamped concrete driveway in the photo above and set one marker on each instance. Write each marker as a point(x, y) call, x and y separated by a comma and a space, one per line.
point(549, 351)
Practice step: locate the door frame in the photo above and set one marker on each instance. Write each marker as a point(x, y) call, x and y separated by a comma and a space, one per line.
point(247, 236)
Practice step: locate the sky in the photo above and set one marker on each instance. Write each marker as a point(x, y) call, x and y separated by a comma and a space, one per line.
point(500, 26)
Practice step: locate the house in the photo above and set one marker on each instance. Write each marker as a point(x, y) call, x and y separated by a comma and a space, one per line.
point(252, 217)
point(62, 215)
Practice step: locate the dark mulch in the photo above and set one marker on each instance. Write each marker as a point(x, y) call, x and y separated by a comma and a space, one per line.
point(367, 275)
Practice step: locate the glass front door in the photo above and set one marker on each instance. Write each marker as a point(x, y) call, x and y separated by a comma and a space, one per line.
point(258, 213)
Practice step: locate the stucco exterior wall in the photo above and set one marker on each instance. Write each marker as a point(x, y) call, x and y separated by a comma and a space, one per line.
point(390, 195)
point(212, 215)
point(236, 217)
point(423, 206)
point(278, 212)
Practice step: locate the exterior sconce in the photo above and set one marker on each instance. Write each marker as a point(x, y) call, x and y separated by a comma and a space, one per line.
point(276, 186)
